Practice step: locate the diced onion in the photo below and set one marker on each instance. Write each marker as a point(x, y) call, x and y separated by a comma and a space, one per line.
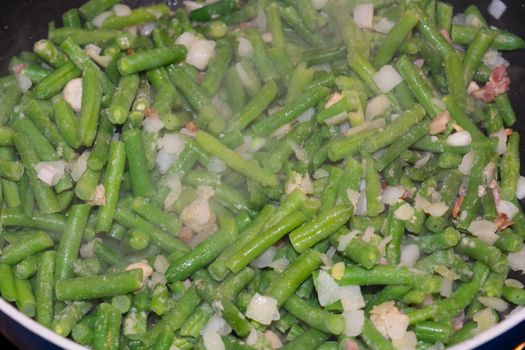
point(520, 188)
point(484, 230)
point(99, 19)
point(376, 106)
point(93, 51)
point(147, 29)
point(497, 8)
point(171, 143)
point(466, 163)
point(152, 124)
point(143, 265)
point(354, 322)
point(364, 15)
point(200, 53)
point(50, 172)
point(517, 260)
point(513, 283)
point(423, 161)
point(407, 342)
point(404, 212)
point(73, 93)
point(389, 321)
point(161, 264)
point(502, 137)
point(23, 82)
point(306, 115)
point(217, 325)
point(495, 303)
point(391, 194)
point(298, 151)
point(459, 139)
point(275, 341)
point(344, 240)
point(446, 288)
point(187, 39)
point(122, 10)
point(79, 165)
point(175, 186)
point(245, 48)
point(493, 58)
point(485, 318)
point(387, 78)
point(212, 340)
point(86, 250)
point(361, 208)
point(507, 208)
point(384, 25)
point(327, 289)
point(351, 298)
point(164, 160)
point(262, 309)
point(437, 209)
point(409, 254)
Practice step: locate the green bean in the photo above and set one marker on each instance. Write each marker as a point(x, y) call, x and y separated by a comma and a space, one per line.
point(140, 180)
point(290, 279)
point(123, 99)
point(433, 331)
point(292, 18)
point(66, 122)
point(235, 93)
point(107, 327)
point(83, 332)
point(150, 59)
point(82, 36)
point(49, 53)
point(464, 35)
point(55, 81)
point(505, 109)
point(65, 320)
point(509, 241)
point(71, 19)
point(137, 16)
point(217, 9)
point(514, 295)
point(7, 283)
point(25, 300)
point(94, 7)
point(100, 151)
point(44, 288)
point(217, 67)
point(261, 58)
point(90, 111)
point(252, 249)
point(475, 52)
point(315, 317)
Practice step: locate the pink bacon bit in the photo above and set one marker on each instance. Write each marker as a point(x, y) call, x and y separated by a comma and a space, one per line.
point(502, 221)
point(498, 84)
point(457, 207)
point(446, 35)
point(150, 113)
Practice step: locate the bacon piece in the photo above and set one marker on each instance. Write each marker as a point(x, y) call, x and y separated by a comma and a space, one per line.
point(502, 221)
point(191, 126)
point(446, 35)
point(150, 113)
point(457, 207)
point(186, 234)
point(130, 52)
point(498, 84)
point(200, 77)
point(18, 68)
point(350, 344)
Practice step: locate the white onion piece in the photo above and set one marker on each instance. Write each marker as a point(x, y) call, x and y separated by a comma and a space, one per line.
point(333, 99)
point(409, 254)
point(485, 318)
point(484, 230)
point(493, 58)
point(404, 212)
point(164, 160)
point(344, 240)
point(122, 10)
point(388, 320)
point(50, 172)
point(93, 51)
point(351, 298)
point(200, 53)
point(212, 340)
point(408, 342)
point(152, 124)
point(243, 75)
point(391, 194)
point(73, 93)
point(387, 78)
point(384, 25)
point(473, 20)
point(298, 151)
point(360, 208)
point(513, 283)
point(319, 4)
point(446, 287)
point(520, 188)
point(217, 325)
point(175, 186)
point(424, 160)
point(320, 173)
point(497, 8)
point(87, 250)
point(327, 289)
point(437, 209)
point(198, 215)
point(466, 163)
point(517, 260)
point(260, 20)
point(364, 15)
point(304, 184)
point(459, 139)
point(99, 19)
point(497, 304)
point(245, 48)
point(262, 309)
point(216, 165)
point(265, 259)
point(507, 208)
point(161, 264)
point(275, 341)
point(147, 29)
point(79, 166)
point(143, 265)
point(354, 322)
point(353, 196)
point(502, 136)
point(23, 82)
point(172, 143)
point(366, 125)
point(187, 39)
point(376, 106)
point(306, 115)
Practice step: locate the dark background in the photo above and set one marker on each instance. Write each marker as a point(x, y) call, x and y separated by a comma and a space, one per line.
point(24, 22)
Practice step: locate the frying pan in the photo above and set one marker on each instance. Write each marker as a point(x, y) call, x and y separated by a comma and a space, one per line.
point(22, 22)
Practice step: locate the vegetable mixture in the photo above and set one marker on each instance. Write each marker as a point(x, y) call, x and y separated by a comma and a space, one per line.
point(263, 174)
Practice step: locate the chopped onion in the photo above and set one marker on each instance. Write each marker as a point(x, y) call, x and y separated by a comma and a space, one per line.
point(389, 321)
point(200, 53)
point(423, 161)
point(351, 298)
point(407, 342)
point(147, 29)
point(87, 250)
point(262, 309)
point(404, 212)
point(265, 259)
point(23, 82)
point(507, 208)
point(376, 106)
point(409, 254)
point(304, 184)
point(446, 288)
point(354, 322)
point(520, 188)
point(245, 48)
point(164, 160)
point(437, 209)
point(99, 19)
point(260, 20)
point(218, 325)
point(93, 52)
point(212, 340)
point(513, 283)
point(99, 197)
point(298, 151)
point(494, 303)
point(485, 318)
point(161, 264)
point(320, 173)
point(387, 78)
point(216, 166)
point(466, 163)
point(366, 125)
point(243, 75)
point(338, 270)
point(494, 59)
point(175, 186)
point(73, 94)
point(391, 194)
point(384, 25)
point(439, 123)
point(198, 215)
point(122, 10)
point(319, 4)
point(79, 166)
point(502, 136)
point(275, 341)
point(484, 230)
point(142, 265)
point(50, 172)
point(187, 39)
point(344, 240)
point(459, 139)
point(360, 208)
point(364, 15)
point(497, 8)
point(517, 260)
point(171, 143)
point(327, 289)
point(157, 278)
point(152, 124)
